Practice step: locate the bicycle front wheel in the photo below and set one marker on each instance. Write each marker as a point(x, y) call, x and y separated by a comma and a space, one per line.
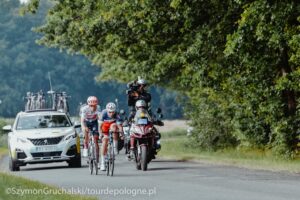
point(91, 158)
point(112, 163)
point(91, 165)
point(107, 166)
point(96, 160)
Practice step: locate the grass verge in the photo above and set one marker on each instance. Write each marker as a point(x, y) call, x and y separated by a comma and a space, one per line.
point(174, 146)
point(3, 145)
point(13, 187)
point(3, 152)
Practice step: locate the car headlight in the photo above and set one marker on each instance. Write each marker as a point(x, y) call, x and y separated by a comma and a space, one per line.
point(73, 135)
point(22, 140)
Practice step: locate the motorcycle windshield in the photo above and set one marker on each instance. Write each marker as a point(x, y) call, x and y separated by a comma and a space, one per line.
point(142, 114)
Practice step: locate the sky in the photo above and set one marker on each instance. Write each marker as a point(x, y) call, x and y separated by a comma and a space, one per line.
point(24, 1)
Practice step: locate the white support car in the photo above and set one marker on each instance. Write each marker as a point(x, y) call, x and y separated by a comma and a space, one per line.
point(42, 137)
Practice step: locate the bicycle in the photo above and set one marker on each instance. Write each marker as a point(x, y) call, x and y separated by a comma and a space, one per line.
point(61, 101)
point(92, 154)
point(28, 103)
point(110, 161)
point(40, 100)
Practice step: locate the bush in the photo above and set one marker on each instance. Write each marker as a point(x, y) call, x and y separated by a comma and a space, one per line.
point(3, 134)
point(212, 126)
point(2, 123)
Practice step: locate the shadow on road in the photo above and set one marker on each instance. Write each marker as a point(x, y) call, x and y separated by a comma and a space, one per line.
point(32, 168)
point(42, 168)
point(167, 168)
point(169, 161)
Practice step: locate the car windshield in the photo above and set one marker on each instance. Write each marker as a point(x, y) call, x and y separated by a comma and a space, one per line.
point(42, 121)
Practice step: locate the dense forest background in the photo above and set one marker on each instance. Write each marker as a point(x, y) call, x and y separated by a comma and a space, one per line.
point(25, 65)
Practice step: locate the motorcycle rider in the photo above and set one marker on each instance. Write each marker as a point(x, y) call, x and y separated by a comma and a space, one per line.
point(137, 91)
point(90, 117)
point(109, 121)
point(141, 111)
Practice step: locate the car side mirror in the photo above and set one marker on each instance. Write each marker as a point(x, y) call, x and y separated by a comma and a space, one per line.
point(77, 124)
point(158, 110)
point(7, 128)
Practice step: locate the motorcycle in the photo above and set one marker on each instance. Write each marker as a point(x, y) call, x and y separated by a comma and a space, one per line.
point(146, 137)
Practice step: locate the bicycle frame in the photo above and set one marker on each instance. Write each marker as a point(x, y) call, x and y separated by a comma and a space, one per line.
point(92, 154)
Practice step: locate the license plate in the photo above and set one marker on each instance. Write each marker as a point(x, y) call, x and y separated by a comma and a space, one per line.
point(46, 148)
point(142, 121)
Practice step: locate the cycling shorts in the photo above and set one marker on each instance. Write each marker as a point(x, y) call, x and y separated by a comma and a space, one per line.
point(106, 126)
point(93, 126)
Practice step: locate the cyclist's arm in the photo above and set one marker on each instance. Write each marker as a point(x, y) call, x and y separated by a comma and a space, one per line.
point(100, 125)
point(119, 120)
point(100, 122)
point(82, 122)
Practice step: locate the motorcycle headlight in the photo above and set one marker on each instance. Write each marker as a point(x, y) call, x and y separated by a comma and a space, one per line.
point(70, 136)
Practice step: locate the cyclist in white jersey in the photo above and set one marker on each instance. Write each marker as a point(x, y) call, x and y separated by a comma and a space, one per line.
point(90, 117)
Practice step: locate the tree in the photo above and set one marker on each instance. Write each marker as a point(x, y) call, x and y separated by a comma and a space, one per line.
point(237, 61)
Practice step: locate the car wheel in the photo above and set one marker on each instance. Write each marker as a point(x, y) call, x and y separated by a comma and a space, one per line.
point(76, 161)
point(13, 165)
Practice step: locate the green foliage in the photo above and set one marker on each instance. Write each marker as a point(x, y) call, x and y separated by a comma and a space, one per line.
point(24, 67)
point(237, 61)
point(29, 188)
point(2, 123)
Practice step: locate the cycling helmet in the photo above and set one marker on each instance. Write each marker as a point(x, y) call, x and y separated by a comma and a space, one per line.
point(92, 101)
point(141, 82)
point(140, 103)
point(111, 107)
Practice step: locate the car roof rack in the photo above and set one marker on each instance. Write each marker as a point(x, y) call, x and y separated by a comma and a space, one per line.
point(41, 110)
point(37, 102)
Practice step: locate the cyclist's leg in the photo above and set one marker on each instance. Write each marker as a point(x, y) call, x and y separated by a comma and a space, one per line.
point(86, 136)
point(105, 130)
point(104, 144)
point(86, 139)
point(114, 130)
point(120, 132)
point(104, 151)
point(94, 128)
point(96, 138)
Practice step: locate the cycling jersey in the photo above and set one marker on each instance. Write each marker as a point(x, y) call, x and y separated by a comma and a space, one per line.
point(108, 121)
point(87, 114)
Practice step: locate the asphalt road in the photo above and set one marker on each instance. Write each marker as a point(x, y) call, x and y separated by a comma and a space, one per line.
point(167, 179)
